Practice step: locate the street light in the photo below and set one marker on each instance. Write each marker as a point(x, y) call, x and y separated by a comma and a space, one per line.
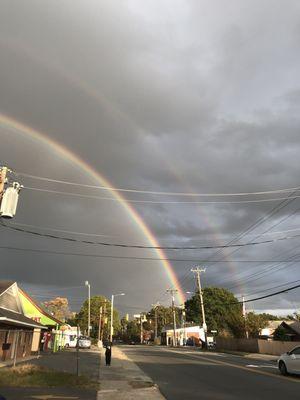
point(89, 306)
point(111, 314)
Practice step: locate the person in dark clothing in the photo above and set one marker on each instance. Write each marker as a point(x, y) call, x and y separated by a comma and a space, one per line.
point(108, 355)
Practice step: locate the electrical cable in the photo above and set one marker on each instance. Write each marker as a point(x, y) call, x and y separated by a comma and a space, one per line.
point(133, 246)
point(262, 297)
point(117, 200)
point(66, 231)
point(64, 253)
point(271, 288)
point(106, 235)
point(155, 192)
point(271, 295)
point(257, 223)
point(276, 265)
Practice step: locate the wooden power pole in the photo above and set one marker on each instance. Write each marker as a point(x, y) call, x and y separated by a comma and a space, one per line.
point(197, 271)
point(173, 292)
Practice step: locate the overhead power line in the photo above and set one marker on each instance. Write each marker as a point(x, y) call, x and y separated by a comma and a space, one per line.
point(269, 269)
point(262, 297)
point(259, 222)
point(187, 194)
point(252, 227)
point(74, 232)
point(271, 295)
point(273, 287)
point(65, 253)
point(134, 246)
point(157, 201)
point(46, 228)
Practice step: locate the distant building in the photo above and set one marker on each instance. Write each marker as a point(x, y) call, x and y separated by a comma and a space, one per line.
point(191, 335)
point(268, 332)
point(292, 330)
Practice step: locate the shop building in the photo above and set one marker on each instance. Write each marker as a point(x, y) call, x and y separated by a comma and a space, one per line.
point(18, 333)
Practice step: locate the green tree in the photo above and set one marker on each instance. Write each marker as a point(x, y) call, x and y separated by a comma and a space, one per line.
point(270, 317)
point(131, 331)
point(59, 308)
point(223, 312)
point(255, 323)
point(96, 303)
point(294, 317)
point(164, 317)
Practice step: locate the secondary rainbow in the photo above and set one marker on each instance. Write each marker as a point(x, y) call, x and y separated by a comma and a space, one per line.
point(74, 81)
point(93, 173)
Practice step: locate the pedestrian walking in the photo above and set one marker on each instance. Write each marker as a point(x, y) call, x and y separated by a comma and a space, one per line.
point(108, 355)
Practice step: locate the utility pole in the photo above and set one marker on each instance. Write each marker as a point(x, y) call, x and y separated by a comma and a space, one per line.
point(112, 315)
point(244, 316)
point(111, 318)
point(141, 332)
point(197, 271)
point(183, 323)
point(89, 307)
point(155, 320)
point(104, 321)
point(3, 172)
point(173, 292)
point(100, 323)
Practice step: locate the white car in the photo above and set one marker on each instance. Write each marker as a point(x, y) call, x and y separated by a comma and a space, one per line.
point(84, 342)
point(70, 341)
point(289, 363)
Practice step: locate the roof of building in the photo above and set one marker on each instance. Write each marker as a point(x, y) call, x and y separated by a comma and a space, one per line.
point(15, 303)
point(274, 324)
point(4, 285)
point(41, 310)
point(293, 325)
point(18, 319)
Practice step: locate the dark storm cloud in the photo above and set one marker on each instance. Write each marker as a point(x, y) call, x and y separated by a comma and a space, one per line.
point(183, 96)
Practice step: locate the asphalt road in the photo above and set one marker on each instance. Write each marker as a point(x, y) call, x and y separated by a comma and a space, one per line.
point(187, 374)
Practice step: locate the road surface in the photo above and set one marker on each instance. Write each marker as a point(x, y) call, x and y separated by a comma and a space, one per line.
point(188, 374)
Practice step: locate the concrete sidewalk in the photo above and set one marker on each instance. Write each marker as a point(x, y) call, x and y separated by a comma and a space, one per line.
point(124, 380)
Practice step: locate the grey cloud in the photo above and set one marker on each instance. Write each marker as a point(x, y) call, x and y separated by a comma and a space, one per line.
point(178, 96)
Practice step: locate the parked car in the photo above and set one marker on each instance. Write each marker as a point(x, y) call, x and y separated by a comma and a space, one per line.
point(70, 341)
point(289, 363)
point(84, 342)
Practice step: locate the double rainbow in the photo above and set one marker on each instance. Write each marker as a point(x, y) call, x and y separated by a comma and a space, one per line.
point(66, 153)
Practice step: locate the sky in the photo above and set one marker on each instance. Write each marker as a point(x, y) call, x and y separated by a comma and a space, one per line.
point(166, 96)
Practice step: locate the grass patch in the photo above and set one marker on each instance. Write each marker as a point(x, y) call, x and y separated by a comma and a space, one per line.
point(29, 375)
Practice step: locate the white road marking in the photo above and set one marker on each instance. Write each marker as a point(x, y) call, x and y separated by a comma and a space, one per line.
point(261, 366)
point(51, 396)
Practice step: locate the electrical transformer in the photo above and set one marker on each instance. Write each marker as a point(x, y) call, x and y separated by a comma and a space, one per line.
point(9, 201)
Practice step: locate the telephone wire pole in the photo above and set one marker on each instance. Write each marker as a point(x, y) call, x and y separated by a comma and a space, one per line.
point(197, 271)
point(173, 292)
